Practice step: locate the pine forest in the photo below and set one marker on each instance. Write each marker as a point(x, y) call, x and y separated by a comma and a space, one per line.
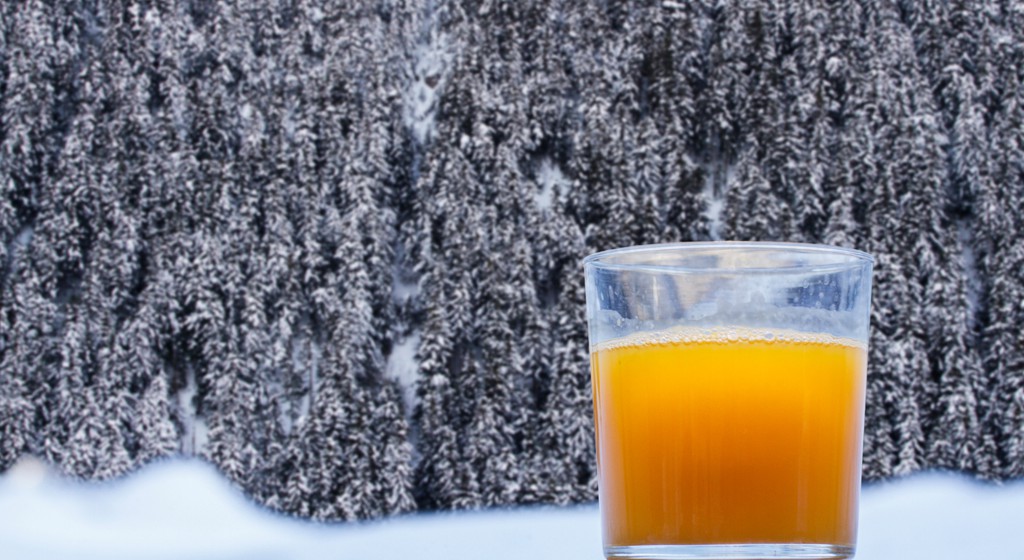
point(333, 246)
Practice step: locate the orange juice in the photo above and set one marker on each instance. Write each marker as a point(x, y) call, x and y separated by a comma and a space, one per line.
point(729, 436)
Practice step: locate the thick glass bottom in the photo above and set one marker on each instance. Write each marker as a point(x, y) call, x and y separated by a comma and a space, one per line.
point(758, 551)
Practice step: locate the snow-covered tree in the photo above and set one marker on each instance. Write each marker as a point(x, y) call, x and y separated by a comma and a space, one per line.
point(755, 210)
point(16, 410)
point(219, 220)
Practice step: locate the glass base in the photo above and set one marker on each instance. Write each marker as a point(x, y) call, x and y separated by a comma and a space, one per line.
point(759, 551)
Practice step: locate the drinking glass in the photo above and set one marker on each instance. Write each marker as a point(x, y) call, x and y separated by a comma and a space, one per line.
point(729, 387)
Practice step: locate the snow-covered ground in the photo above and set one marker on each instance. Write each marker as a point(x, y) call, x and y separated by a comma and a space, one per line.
point(184, 510)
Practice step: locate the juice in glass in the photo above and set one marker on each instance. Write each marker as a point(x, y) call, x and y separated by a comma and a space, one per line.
point(728, 436)
point(728, 386)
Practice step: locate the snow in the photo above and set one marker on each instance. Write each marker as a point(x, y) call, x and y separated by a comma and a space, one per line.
point(552, 184)
point(184, 509)
point(403, 288)
point(196, 432)
point(401, 363)
point(403, 367)
point(22, 239)
point(714, 214)
point(431, 60)
point(714, 187)
point(941, 516)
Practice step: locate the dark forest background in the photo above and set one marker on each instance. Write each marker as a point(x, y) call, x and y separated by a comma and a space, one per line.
point(228, 226)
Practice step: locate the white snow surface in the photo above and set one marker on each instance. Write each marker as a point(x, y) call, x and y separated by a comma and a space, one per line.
point(969, 262)
point(552, 184)
point(402, 366)
point(183, 509)
point(196, 431)
point(714, 194)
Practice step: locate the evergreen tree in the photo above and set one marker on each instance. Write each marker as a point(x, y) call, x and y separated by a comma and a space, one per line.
point(813, 184)
point(754, 210)
point(332, 448)
point(612, 205)
point(852, 175)
point(443, 478)
point(230, 397)
point(683, 199)
point(15, 408)
point(95, 446)
point(962, 440)
point(896, 202)
point(722, 104)
point(62, 238)
point(1002, 337)
point(931, 27)
point(843, 228)
point(28, 104)
point(897, 441)
point(563, 447)
point(893, 388)
point(942, 323)
point(495, 426)
point(881, 446)
point(157, 435)
point(392, 453)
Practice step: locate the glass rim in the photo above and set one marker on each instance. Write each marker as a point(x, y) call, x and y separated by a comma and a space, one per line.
point(845, 258)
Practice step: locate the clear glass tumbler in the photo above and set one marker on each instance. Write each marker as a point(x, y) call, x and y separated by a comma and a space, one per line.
point(729, 387)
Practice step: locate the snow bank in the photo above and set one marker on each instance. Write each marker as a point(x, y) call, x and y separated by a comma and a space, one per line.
point(184, 509)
